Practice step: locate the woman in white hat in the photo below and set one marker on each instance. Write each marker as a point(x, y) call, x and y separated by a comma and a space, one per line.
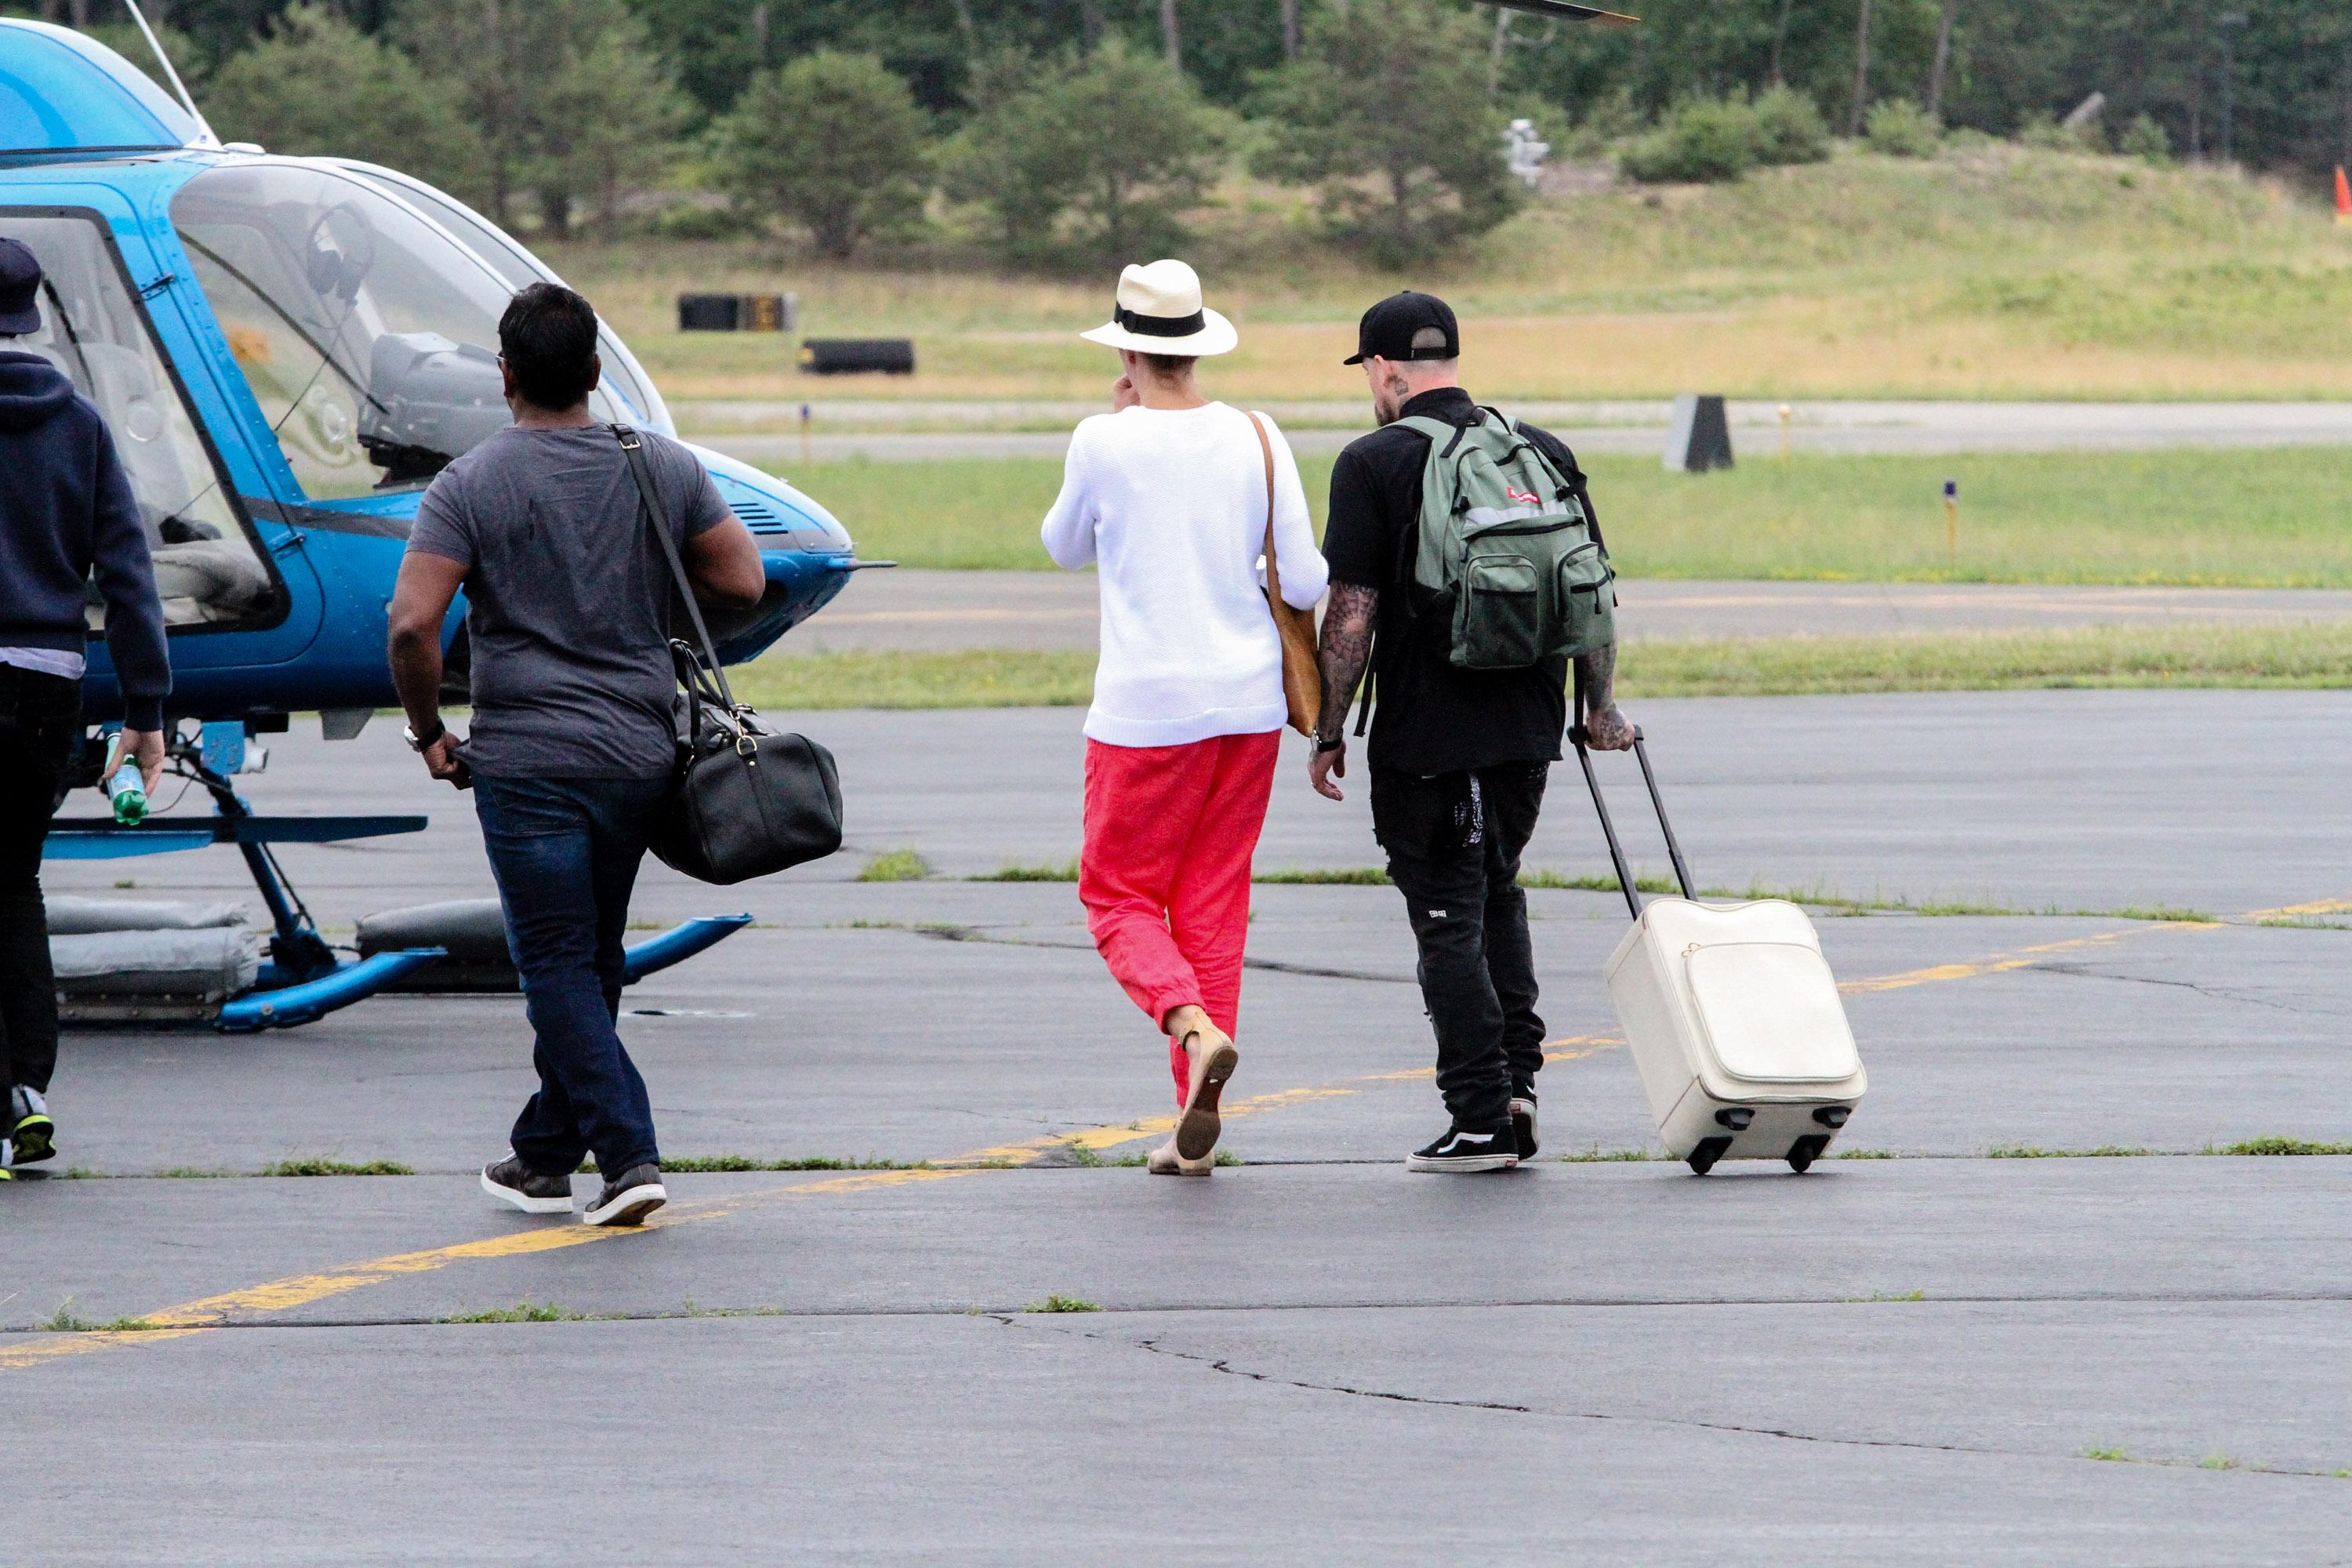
point(1167, 497)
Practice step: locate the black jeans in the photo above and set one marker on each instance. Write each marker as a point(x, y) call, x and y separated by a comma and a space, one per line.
point(1454, 843)
point(565, 853)
point(40, 725)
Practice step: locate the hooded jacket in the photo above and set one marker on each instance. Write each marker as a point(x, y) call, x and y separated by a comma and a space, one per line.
point(67, 516)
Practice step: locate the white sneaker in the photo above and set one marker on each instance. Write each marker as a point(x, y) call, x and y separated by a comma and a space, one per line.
point(1165, 1161)
point(1213, 1060)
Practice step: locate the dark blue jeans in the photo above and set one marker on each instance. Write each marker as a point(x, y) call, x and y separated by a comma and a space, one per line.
point(565, 853)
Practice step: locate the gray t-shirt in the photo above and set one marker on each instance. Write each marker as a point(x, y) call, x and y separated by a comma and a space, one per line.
point(567, 597)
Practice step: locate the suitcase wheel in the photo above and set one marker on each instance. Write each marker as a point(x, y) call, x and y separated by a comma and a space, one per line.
point(1806, 1150)
point(1702, 1159)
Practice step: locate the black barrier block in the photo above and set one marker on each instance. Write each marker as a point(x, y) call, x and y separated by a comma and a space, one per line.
point(710, 312)
point(1700, 437)
point(851, 356)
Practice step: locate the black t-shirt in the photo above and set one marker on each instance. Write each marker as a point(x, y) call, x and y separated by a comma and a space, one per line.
point(1429, 717)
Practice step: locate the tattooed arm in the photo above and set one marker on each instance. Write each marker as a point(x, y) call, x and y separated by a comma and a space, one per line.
point(1347, 645)
point(1606, 728)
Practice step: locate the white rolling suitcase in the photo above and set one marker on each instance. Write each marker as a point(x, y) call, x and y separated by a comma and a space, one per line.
point(1731, 1013)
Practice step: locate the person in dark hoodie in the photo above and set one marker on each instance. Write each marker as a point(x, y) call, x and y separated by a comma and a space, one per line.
point(66, 518)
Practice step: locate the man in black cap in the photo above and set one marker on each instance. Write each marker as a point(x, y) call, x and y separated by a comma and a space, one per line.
point(67, 520)
point(1459, 757)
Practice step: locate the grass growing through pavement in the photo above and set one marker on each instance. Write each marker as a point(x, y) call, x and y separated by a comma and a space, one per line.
point(2029, 1152)
point(66, 1320)
point(526, 1312)
point(2247, 518)
point(2273, 1146)
point(895, 865)
point(1050, 871)
point(320, 1167)
point(1351, 877)
point(1062, 1304)
point(2318, 657)
point(728, 1164)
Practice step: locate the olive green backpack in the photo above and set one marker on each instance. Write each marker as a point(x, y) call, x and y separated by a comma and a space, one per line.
point(1506, 541)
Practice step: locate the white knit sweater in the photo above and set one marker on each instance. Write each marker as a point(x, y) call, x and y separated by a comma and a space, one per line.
point(1169, 506)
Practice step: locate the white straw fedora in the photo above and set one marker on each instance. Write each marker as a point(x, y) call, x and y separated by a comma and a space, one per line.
point(1159, 312)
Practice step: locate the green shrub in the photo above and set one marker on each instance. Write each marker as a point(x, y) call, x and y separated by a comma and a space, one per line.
point(1789, 129)
point(1901, 129)
point(2144, 139)
point(1386, 113)
point(835, 140)
point(2044, 130)
point(1083, 159)
point(1701, 141)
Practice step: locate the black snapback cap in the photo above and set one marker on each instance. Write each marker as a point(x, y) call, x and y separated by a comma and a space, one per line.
point(20, 290)
point(1388, 328)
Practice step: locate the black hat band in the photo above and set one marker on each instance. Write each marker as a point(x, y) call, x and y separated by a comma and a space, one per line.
point(1158, 326)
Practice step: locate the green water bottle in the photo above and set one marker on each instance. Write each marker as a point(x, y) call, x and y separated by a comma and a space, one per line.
point(129, 794)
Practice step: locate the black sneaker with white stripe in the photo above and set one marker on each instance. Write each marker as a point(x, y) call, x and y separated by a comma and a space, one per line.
point(1523, 1117)
point(1464, 1150)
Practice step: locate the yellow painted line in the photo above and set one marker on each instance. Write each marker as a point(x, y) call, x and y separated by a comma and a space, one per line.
point(2289, 911)
point(303, 1290)
point(2003, 963)
point(47, 1349)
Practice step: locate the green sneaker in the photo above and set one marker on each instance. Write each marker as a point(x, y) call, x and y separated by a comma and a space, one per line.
point(35, 1136)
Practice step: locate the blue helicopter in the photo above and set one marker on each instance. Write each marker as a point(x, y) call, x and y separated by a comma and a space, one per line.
point(287, 351)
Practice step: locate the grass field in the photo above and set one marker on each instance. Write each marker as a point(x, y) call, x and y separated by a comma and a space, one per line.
point(2272, 518)
point(2095, 657)
point(1994, 272)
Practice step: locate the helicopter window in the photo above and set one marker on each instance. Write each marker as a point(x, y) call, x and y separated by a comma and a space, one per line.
point(207, 569)
point(367, 336)
point(623, 376)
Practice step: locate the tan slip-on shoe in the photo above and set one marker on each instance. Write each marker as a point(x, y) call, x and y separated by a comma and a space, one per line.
point(1213, 1060)
point(1165, 1161)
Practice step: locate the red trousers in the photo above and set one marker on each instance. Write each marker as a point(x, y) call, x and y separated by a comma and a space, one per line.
point(1165, 873)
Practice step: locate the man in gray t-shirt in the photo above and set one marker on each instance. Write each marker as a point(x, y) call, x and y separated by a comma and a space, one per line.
point(566, 597)
point(573, 748)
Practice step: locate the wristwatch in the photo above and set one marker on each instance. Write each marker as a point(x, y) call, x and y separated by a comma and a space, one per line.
point(417, 743)
point(1335, 744)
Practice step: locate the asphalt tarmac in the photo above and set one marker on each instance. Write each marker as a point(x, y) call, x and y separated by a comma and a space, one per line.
point(2090, 1356)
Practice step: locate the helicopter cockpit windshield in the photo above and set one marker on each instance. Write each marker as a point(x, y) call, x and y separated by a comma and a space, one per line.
point(208, 571)
point(367, 334)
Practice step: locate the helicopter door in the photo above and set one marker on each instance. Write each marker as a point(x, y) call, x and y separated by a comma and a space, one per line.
point(213, 571)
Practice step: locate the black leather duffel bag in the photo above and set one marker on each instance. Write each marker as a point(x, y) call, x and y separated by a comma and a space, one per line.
point(747, 802)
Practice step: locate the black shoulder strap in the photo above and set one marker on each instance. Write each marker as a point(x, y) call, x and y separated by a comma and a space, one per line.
point(649, 508)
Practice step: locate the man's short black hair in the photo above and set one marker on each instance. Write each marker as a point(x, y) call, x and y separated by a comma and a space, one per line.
point(548, 337)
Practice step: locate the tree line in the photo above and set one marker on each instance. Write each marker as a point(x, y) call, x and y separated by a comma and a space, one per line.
point(1081, 128)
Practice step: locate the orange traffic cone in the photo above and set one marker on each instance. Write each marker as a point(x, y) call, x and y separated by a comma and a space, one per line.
point(2343, 197)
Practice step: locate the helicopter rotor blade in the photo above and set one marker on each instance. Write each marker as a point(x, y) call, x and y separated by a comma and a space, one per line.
point(1566, 11)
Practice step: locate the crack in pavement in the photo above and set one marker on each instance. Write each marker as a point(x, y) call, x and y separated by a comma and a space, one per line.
point(1224, 1365)
point(947, 932)
point(2214, 993)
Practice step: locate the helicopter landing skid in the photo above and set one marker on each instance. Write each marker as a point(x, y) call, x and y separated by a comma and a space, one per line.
point(301, 979)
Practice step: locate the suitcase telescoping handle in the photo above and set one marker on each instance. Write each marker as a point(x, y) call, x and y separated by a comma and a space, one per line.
point(1608, 828)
